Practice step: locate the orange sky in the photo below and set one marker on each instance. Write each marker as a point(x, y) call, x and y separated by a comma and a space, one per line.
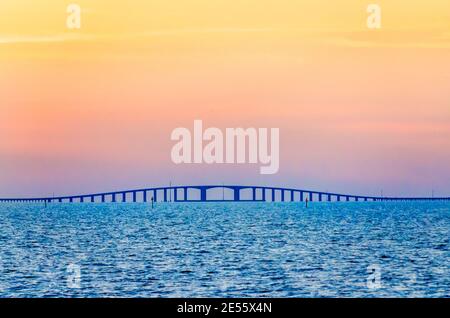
point(359, 110)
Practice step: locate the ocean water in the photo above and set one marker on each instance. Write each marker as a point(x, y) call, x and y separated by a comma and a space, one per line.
point(356, 249)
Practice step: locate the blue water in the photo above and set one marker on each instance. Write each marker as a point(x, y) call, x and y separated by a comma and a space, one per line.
point(225, 250)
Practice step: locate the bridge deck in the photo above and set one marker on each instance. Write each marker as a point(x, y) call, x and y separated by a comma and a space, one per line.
point(182, 194)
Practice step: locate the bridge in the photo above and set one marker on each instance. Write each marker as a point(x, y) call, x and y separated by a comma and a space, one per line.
point(199, 193)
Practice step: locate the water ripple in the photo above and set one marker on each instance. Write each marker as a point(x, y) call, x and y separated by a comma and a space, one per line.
point(225, 250)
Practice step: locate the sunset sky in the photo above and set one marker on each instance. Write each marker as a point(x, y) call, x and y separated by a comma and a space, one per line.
point(359, 110)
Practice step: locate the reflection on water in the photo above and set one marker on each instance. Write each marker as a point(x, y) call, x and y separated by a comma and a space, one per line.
point(225, 250)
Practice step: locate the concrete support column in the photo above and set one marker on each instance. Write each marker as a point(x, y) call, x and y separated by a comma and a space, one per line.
point(203, 194)
point(237, 194)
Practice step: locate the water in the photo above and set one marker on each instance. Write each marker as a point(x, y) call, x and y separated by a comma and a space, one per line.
point(353, 249)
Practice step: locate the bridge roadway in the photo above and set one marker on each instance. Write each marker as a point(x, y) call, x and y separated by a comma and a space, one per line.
point(199, 193)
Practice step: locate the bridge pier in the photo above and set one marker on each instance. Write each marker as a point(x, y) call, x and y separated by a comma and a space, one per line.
point(282, 195)
point(301, 196)
point(175, 194)
point(144, 196)
point(134, 196)
point(236, 194)
point(292, 195)
point(329, 197)
point(311, 197)
point(203, 194)
point(320, 197)
point(165, 194)
point(263, 194)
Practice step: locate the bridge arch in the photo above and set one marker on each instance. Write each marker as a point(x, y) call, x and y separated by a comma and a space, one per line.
point(190, 193)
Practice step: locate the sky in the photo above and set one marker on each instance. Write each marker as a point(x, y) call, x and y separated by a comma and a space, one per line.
point(92, 109)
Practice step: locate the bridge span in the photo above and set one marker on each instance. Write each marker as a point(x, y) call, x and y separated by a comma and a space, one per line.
point(199, 193)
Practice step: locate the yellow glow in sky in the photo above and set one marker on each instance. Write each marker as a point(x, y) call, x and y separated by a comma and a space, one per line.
point(370, 106)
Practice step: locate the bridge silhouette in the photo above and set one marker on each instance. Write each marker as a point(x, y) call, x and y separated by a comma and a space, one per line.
point(199, 193)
